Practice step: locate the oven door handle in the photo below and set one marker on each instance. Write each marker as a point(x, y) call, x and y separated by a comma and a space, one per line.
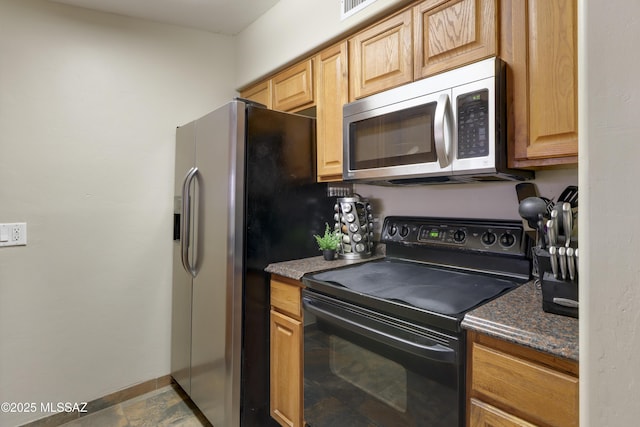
point(434, 351)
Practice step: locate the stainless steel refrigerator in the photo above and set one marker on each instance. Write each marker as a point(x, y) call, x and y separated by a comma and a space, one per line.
point(245, 196)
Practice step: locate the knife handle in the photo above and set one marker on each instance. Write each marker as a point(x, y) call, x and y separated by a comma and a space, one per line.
point(562, 258)
point(554, 261)
point(571, 263)
point(567, 222)
point(551, 233)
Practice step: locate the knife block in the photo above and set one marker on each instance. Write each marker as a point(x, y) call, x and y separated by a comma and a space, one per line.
point(558, 295)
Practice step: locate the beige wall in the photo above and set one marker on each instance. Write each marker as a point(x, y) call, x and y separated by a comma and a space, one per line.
point(291, 29)
point(89, 103)
point(610, 203)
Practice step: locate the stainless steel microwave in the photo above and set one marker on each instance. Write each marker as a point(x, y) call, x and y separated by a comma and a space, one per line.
point(450, 127)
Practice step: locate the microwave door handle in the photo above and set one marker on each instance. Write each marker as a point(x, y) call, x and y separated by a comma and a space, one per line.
point(442, 130)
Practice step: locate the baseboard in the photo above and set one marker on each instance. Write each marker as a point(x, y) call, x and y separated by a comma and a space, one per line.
point(103, 402)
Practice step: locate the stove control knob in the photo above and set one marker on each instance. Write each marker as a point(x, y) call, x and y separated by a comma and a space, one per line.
point(488, 238)
point(404, 231)
point(459, 236)
point(507, 240)
point(393, 230)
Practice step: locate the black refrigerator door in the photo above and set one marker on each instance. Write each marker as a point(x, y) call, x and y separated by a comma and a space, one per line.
point(285, 207)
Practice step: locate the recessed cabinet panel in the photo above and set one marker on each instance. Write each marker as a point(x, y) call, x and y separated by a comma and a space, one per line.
point(452, 34)
point(286, 382)
point(293, 88)
point(484, 415)
point(381, 56)
point(539, 42)
point(260, 93)
point(332, 94)
point(286, 370)
point(553, 78)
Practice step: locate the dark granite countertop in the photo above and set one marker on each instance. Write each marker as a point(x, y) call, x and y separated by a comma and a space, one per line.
point(295, 269)
point(518, 317)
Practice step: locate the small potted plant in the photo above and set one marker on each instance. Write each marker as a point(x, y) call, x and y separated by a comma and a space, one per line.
point(328, 243)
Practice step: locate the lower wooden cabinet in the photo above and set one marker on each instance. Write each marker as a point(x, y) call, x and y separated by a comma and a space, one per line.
point(510, 385)
point(485, 415)
point(286, 384)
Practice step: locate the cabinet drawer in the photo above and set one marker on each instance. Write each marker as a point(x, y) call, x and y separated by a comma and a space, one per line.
point(285, 296)
point(533, 391)
point(485, 415)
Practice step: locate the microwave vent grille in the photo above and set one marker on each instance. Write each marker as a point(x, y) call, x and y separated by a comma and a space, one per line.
point(349, 7)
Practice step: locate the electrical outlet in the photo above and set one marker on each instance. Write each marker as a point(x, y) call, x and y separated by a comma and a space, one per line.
point(14, 234)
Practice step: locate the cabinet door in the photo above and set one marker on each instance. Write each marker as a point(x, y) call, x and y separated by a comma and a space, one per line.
point(484, 415)
point(381, 56)
point(545, 395)
point(260, 92)
point(286, 370)
point(452, 33)
point(293, 88)
point(332, 94)
point(540, 44)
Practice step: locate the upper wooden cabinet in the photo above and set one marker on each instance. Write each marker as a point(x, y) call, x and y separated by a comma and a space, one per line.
point(260, 92)
point(290, 90)
point(537, 39)
point(451, 33)
point(293, 87)
point(381, 56)
point(539, 42)
point(332, 93)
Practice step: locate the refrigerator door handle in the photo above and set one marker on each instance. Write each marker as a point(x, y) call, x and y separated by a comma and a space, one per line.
point(185, 234)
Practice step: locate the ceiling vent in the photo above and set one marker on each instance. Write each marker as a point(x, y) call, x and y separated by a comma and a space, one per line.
point(349, 7)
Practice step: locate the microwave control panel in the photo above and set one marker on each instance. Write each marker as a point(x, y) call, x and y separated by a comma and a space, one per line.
point(473, 124)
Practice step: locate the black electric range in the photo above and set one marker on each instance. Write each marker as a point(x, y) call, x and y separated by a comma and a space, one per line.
point(383, 343)
point(435, 269)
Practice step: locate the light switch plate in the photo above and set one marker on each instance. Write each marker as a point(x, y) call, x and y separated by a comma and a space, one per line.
point(13, 234)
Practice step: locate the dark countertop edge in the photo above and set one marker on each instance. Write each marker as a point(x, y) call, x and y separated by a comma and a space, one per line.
point(546, 332)
point(518, 336)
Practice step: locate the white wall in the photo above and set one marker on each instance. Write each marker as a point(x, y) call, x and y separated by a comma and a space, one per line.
point(291, 29)
point(610, 203)
point(89, 103)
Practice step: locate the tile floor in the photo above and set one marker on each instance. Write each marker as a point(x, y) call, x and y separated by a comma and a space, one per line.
point(167, 406)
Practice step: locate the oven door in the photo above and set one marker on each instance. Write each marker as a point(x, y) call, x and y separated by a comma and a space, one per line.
point(363, 368)
point(398, 137)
